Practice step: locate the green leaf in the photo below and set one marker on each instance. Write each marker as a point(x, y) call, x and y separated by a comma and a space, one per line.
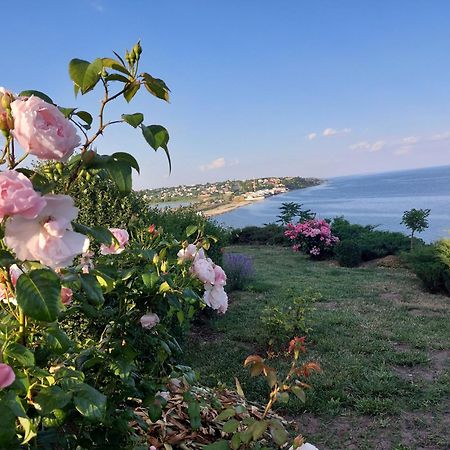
point(194, 414)
point(67, 112)
point(191, 229)
point(259, 428)
point(115, 65)
point(29, 429)
point(225, 414)
point(120, 172)
point(219, 445)
point(231, 426)
point(92, 288)
point(6, 258)
point(50, 398)
point(85, 117)
point(57, 341)
point(20, 354)
point(40, 183)
point(156, 87)
point(89, 402)
point(127, 158)
point(131, 91)
point(133, 119)
point(157, 136)
point(77, 70)
point(300, 393)
point(99, 233)
point(154, 412)
point(150, 279)
point(92, 75)
point(235, 441)
point(278, 432)
point(39, 294)
point(116, 77)
point(41, 95)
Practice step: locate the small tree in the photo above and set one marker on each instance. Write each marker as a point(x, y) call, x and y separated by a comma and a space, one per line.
point(416, 220)
point(289, 210)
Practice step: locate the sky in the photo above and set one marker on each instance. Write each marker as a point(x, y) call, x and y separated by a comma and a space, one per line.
point(260, 88)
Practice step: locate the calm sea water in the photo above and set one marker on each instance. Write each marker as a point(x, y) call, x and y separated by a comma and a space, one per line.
point(368, 199)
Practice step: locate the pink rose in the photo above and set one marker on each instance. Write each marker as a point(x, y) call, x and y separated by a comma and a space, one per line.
point(17, 196)
point(148, 321)
point(190, 253)
point(306, 446)
point(116, 248)
point(216, 298)
point(49, 237)
point(14, 273)
point(66, 295)
point(7, 375)
point(203, 269)
point(220, 276)
point(42, 130)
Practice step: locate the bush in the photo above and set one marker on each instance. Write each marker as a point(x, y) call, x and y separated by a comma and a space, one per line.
point(283, 322)
point(270, 234)
point(373, 243)
point(239, 269)
point(426, 263)
point(348, 253)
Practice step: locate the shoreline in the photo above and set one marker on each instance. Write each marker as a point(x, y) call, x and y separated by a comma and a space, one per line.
point(227, 207)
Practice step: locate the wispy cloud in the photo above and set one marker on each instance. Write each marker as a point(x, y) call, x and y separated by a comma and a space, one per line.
point(97, 5)
point(410, 140)
point(218, 163)
point(333, 132)
point(311, 136)
point(368, 147)
point(440, 137)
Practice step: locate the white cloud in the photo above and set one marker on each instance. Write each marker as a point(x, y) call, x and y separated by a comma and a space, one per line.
point(97, 6)
point(440, 137)
point(410, 140)
point(311, 136)
point(332, 132)
point(368, 147)
point(218, 163)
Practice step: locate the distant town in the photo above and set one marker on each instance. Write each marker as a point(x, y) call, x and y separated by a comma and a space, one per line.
point(222, 196)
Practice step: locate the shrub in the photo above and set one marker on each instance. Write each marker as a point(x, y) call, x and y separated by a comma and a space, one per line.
point(348, 253)
point(270, 234)
point(313, 237)
point(239, 269)
point(284, 321)
point(425, 261)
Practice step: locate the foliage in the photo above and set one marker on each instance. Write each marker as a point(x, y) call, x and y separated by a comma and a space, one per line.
point(270, 234)
point(373, 243)
point(239, 269)
point(348, 253)
point(416, 220)
point(291, 317)
point(313, 237)
point(290, 210)
point(85, 341)
point(428, 263)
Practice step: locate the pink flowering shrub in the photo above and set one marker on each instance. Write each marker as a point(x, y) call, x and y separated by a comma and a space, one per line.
point(313, 237)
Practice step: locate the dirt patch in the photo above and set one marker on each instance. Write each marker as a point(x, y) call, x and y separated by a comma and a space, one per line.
point(392, 297)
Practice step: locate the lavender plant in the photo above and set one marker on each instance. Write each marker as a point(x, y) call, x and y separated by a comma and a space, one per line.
point(239, 270)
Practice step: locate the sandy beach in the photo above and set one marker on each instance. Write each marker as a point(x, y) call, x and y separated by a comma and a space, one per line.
point(227, 207)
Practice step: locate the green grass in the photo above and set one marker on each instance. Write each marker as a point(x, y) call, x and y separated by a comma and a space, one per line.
point(381, 340)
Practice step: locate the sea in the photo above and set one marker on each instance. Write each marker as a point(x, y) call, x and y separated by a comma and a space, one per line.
point(376, 199)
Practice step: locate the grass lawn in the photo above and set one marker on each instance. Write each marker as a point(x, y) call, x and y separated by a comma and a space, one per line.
point(383, 344)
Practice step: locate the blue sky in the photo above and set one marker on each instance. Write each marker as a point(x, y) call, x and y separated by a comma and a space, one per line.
point(259, 88)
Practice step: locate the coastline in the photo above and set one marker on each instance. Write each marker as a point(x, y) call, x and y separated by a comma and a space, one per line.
point(226, 207)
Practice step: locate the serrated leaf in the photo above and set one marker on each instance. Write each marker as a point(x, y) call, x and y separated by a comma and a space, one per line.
point(133, 119)
point(131, 91)
point(115, 65)
point(225, 414)
point(156, 87)
point(41, 95)
point(150, 279)
point(230, 426)
point(39, 294)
